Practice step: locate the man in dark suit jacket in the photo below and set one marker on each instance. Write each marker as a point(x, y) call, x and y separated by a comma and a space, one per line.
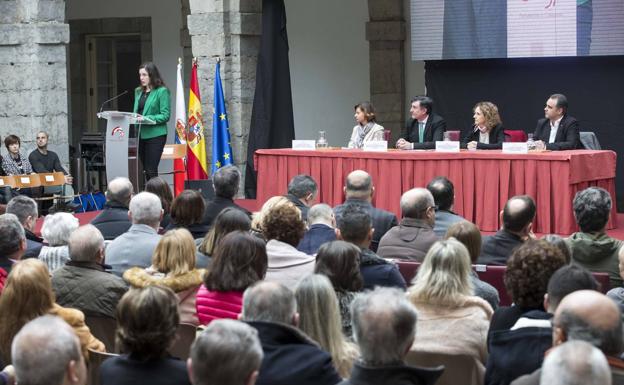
point(425, 127)
point(322, 222)
point(558, 130)
point(225, 182)
point(12, 242)
point(113, 220)
point(25, 209)
point(517, 218)
point(301, 192)
point(359, 189)
point(290, 357)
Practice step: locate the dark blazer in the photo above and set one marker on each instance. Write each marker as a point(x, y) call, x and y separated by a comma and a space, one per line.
point(434, 131)
point(376, 271)
point(290, 357)
point(382, 220)
point(567, 138)
point(399, 374)
point(300, 205)
point(315, 236)
point(197, 230)
point(124, 370)
point(497, 248)
point(215, 206)
point(497, 137)
point(112, 221)
point(33, 245)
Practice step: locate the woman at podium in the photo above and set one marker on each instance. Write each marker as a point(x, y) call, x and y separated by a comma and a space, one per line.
point(152, 100)
point(366, 128)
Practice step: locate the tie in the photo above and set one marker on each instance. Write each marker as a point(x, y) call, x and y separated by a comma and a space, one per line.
point(421, 131)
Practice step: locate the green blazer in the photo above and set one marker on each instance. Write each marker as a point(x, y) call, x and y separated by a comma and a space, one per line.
point(158, 108)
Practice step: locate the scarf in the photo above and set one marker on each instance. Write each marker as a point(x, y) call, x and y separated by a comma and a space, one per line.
point(362, 131)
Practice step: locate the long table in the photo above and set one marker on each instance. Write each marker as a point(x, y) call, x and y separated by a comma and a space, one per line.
point(484, 180)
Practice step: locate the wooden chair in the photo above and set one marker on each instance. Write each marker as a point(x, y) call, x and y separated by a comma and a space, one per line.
point(8, 180)
point(185, 336)
point(95, 361)
point(515, 136)
point(458, 368)
point(103, 328)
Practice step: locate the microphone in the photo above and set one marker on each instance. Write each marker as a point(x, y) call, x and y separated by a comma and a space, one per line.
point(113, 98)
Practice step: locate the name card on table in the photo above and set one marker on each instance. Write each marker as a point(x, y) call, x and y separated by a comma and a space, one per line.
point(167, 150)
point(1, 182)
point(304, 144)
point(447, 146)
point(25, 180)
point(515, 148)
point(376, 145)
point(49, 178)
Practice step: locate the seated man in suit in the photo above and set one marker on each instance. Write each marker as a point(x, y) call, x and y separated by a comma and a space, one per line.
point(302, 191)
point(225, 182)
point(443, 193)
point(113, 220)
point(517, 218)
point(321, 224)
point(425, 127)
point(558, 130)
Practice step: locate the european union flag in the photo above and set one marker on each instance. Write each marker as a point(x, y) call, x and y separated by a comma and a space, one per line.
point(221, 145)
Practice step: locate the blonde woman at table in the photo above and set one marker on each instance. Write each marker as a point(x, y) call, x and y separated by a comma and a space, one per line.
point(487, 132)
point(366, 129)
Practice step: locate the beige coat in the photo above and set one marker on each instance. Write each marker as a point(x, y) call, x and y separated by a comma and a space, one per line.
point(76, 319)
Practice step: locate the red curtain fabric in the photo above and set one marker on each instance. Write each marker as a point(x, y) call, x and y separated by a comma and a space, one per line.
point(484, 180)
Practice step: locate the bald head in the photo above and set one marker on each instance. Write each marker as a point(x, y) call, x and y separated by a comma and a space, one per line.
point(417, 203)
point(590, 316)
point(518, 213)
point(575, 363)
point(269, 302)
point(359, 185)
point(119, 190)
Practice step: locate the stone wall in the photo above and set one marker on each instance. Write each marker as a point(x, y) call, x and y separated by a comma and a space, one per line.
point(33, 75)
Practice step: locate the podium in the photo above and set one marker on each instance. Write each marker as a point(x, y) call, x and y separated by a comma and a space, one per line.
point(116, 143)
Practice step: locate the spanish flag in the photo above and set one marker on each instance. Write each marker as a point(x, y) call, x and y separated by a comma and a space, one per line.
point(179, 168)
point(196, 164)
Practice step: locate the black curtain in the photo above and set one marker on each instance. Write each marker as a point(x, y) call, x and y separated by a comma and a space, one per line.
point(520, 87)
point(272, 122)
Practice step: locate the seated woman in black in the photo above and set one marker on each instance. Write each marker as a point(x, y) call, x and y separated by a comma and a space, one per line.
point(15, 163)
point(487, 132)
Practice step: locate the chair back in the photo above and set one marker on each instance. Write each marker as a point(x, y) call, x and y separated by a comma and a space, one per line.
point(515, 136)
point(185, 336)
point(603, 280)
point(103, 328)
point(8, 180)
point(454, 135)
point(495, 276)
point(95, 361)
point(458, 368)
point(408, 269)
point(27, 181)
point(589, 140)
point(52, 178)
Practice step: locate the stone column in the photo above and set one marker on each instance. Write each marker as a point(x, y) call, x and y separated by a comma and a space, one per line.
point(33, 72)
point(385, 33)
point(229, 30)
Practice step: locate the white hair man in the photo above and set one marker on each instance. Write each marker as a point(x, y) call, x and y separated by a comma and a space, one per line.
point(25, 209)
point(321, 223)
point(576, 363)
point(113, 220)
point(46, 351)
point(226, 352)
point(136, 246)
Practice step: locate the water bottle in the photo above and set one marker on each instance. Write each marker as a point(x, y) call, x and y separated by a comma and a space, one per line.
point(530, 142)
point(321, 142)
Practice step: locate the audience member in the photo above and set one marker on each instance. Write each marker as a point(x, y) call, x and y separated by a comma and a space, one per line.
point(384, 327)
point(526, 279)
point(56, 230)
point(319, 318)
point(239, 262)
point(173, 266)
point(136, 246)
point(290, 357)
point(576, 363)
point(228, 220)
point(591, 247)
point(12, 243)
point(82, 283)
point(340, 262)
point(28, 295)
point(47, 351)
point(520, 350)
point(147, 320)
point(302, 191)
point(113, 220)
point(424, 128)
point(226, 352)
point(469, 235)
point(226, 182)
point(186, 213)
point(321, 223)
point(159, 187)
point(617, 293)
point(359, 189)
point(354, 226)
point(557, 130)
point(413, 237)
point(559, 243)
point(517, 219)
point(258, 217)
point(25, 209)
point(283, 228)
point(450, 319)
point(443, 193)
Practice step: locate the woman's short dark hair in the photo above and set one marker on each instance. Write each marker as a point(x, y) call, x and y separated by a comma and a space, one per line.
point(368, 110)
point(284, 224)
point(229, 219)
point(161, 188)
point(528, 271)
point(188, 208)
point(239, 262)
point(469, 235)
point(147, 321)
point(154, 75)
point(12, 139)
point(340, 262)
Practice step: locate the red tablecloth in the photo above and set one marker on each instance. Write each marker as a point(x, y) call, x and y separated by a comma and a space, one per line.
point(484, 180)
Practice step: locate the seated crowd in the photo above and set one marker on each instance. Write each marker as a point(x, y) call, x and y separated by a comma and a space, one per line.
point(305, 294)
